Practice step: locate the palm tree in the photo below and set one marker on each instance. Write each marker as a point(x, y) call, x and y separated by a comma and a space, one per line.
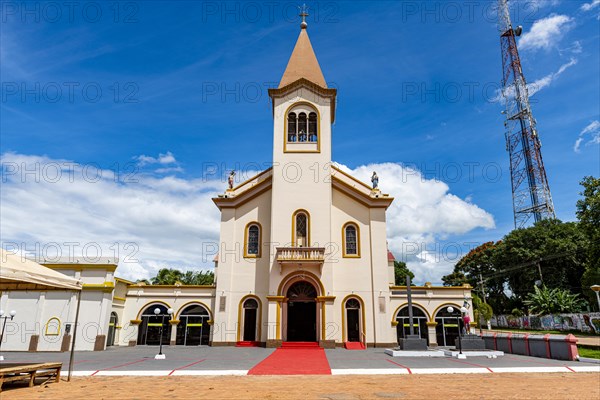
point(167, 276)
point(547, 301)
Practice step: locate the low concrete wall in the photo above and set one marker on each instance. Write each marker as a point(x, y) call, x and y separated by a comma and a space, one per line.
point(557, 347)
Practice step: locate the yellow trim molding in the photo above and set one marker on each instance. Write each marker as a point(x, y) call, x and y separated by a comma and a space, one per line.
point(106, 287)
point(325, 298)
point(80, 267)
point(431, 323)
point(135, 321)
point(275, 298)
point(174, 322)
point(250, 180)
point(442, 306)
point(351, 177)
point(419, 306)
point(57, 333)
point(119, 298)
point(292, 275)
point(466, 286)
point(394, 323)
point(139, 315)
point(177, 315)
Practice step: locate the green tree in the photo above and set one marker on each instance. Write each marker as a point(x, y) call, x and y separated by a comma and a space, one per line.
point(456, 278)
point(400, 272)
point(588, 213)
point(481, 310)
point(477, 263)
point(555, 248)
point(548, 301)
point(198, 278)
point(171, 276)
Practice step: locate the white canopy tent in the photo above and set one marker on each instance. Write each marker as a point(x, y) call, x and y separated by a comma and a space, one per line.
point(19, 273)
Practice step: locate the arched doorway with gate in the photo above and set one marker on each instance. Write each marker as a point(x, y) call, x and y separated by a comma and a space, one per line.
point(447, 325)
point(193, 328)
point(150, 327)
point(420, 320)
point(301, 316)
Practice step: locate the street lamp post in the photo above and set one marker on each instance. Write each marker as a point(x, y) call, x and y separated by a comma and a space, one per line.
point(596, 288)
point(5, 318)
point(450, 309)
point(160, 355)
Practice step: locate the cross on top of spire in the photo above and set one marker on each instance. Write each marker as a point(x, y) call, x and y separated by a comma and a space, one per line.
point(303, 14)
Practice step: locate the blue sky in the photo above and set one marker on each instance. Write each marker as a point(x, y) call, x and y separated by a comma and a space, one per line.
point(188, 80)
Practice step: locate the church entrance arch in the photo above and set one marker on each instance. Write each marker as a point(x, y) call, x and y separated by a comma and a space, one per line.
point(301, 312)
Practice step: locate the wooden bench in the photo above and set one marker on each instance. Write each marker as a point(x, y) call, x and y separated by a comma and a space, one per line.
point(28, 372)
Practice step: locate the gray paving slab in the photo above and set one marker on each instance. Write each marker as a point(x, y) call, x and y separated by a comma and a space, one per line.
point(376, 358)
point(203, 358)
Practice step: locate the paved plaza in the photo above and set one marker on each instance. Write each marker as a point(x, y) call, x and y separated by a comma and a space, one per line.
point(214, 361)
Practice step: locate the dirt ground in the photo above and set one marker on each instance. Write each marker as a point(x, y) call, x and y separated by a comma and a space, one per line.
point(493, 386)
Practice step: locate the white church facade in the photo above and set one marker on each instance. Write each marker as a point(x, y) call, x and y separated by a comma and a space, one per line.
point(303, 256)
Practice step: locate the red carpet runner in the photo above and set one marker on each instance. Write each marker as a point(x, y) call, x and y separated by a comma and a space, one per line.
point(300, 360)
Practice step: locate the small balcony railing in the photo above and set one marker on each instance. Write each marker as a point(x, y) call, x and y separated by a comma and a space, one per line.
point(300, 254)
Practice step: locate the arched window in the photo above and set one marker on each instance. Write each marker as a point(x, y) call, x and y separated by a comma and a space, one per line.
point(292, 124)
point(302, 127)
point(312, 127)
point(252, 243)
point(301, 229)
point(351, 239)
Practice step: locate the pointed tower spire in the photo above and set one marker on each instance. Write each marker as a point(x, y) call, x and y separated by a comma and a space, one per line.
point(303, 62)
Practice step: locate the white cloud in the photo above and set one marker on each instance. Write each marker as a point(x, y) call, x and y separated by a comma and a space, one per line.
point(544, 3)
point(157, 221)
point(165, 221)
point(592, 131)
point(590, 6)
point(164, 159)
point(534, 87)
point(423, 212)
point(547, 80)
point(545, 33)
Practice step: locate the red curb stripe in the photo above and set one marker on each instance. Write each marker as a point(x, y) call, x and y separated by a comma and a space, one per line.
point(185, 366)
point(400, 365)
point(472, 364)
point(118, 366)
point(569, 368)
